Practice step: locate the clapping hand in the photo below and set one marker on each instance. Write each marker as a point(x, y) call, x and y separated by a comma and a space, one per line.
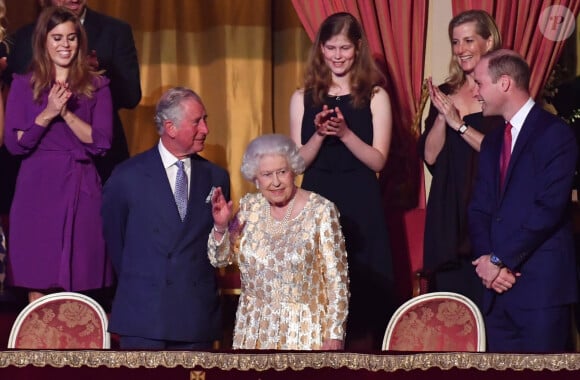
point(57, 99)
point(444, 104)
point(330, 122)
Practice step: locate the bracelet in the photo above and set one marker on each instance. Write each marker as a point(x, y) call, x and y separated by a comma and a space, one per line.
point(219, 231)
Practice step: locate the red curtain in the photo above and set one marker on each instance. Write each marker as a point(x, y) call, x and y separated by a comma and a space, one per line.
point(519, 24)
point(396, 30)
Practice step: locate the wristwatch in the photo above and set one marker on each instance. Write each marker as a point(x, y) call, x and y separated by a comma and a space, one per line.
point(462, 128)
point(495, 260)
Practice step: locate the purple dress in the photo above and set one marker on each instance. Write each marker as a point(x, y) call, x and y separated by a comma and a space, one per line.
point(55, 238)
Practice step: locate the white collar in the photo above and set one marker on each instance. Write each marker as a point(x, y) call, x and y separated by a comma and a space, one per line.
point(169, 159)
point(82, 17)
point(518, 119)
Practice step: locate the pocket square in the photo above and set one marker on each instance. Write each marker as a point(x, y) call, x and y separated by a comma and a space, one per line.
point(208, 198)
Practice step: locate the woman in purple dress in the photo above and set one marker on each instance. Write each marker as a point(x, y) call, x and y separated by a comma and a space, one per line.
point(58, 117)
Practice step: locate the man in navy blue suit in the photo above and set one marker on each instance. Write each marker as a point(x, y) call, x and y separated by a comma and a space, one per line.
point(167, 294)
point(520, 224)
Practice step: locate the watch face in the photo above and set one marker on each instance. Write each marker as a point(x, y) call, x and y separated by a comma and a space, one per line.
point(495, 260)
point(462, 129)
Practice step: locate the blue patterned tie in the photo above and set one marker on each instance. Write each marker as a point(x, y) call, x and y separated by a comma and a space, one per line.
point(181, 189)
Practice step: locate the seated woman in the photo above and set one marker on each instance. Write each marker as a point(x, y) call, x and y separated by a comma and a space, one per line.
point(290, 250)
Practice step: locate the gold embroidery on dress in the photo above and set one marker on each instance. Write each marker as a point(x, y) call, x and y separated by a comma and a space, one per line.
point(295, 283)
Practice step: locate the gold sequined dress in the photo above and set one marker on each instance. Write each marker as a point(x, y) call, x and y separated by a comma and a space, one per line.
point(294, 283)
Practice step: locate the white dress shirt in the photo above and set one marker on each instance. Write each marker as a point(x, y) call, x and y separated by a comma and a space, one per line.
point(517, 121)
point(169, 161)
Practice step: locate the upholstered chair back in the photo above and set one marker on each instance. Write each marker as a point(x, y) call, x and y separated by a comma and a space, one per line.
point(438, 321)
point(63, 320)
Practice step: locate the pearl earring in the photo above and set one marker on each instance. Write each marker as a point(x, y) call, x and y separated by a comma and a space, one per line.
point(257, 185)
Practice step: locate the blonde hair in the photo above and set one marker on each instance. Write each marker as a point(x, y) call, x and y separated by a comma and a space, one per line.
point(485, 27)
point(2, 20)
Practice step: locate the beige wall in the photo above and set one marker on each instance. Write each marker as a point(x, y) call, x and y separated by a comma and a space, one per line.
point(438, 52)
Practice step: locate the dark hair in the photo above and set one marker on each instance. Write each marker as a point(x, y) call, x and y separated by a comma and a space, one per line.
point(80, 78)
point(364, 74)
point(510, 63)
point(485, 27)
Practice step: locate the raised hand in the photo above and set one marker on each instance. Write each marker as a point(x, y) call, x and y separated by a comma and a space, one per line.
point(221, 209)
point(444, 105)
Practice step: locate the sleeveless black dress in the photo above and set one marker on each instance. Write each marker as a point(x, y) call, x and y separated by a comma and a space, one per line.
point(340, 177)
point(447, 250)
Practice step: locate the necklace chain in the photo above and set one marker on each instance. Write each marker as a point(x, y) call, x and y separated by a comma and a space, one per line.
point(279, 226)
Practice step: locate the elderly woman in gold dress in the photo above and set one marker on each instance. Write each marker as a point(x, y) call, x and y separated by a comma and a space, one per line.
point(290, 250)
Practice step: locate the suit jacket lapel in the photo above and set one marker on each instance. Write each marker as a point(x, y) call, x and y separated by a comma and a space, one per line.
point(521, 142)
point(158, 184)
point(92, 30)
point(497, 153)
point(198, 179)
point(198, 190)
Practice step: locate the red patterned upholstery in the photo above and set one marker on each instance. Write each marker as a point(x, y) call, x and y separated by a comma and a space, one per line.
point(438, 321)
point(61, 320)
point(229, 282)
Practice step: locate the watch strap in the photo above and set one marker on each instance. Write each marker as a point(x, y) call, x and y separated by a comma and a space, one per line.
point(495, 260)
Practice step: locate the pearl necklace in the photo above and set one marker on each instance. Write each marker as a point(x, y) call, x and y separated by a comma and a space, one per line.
point(279, 226)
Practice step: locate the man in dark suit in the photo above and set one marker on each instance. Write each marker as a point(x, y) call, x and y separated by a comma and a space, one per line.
point(519, 219)
point(112, 48)
point(166, 294)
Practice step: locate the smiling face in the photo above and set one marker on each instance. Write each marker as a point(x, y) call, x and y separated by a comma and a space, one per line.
point(187, 134)
point(339, 54)
point(487, 92)
point(275, 179)
point(468, 46)
point(62, 44)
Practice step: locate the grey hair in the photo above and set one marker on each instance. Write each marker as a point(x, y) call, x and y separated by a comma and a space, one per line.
point(271, 144)
point(169, 106)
